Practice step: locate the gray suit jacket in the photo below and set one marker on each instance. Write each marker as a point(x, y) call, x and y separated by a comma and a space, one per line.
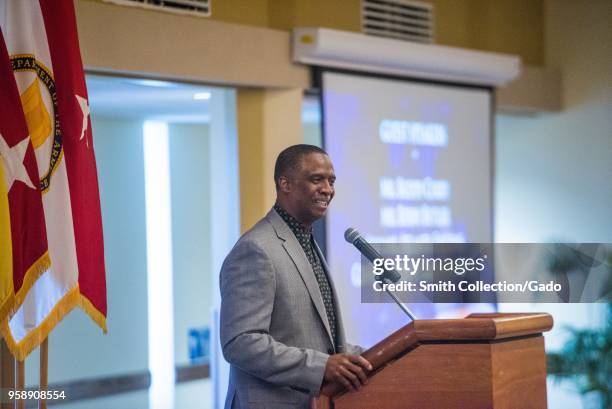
point(274, 330)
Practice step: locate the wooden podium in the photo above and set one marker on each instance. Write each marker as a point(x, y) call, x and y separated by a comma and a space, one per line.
point(482, 361)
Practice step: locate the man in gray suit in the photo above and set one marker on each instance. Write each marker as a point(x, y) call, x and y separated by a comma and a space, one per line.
point(281, 329)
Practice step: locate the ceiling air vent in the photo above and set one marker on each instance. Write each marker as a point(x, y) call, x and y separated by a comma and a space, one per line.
point(400, 19)
point(193, 7)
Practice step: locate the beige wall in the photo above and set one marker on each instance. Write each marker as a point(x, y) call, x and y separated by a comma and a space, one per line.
point(536, 90)
point(268, 122)
point(150, 43)
point(509, 26)
point(341, 15)
point(248, 12)
point(246, 43)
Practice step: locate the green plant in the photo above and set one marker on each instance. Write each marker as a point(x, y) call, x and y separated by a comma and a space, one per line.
point(586, 360)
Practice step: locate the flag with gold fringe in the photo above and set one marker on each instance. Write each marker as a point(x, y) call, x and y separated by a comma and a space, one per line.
point(42, 43)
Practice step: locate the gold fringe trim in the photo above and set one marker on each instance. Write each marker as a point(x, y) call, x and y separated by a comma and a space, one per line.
point(7, 308)
point(36, 336)
point(12, 303)
point(93, 313)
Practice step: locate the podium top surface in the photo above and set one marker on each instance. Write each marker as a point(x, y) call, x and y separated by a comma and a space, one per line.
point(482, 326)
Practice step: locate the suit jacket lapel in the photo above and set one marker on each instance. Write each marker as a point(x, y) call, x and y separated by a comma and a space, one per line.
point(295, 251)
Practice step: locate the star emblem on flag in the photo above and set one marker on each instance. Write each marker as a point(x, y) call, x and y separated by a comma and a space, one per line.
point(85, 110)
point(12, 161)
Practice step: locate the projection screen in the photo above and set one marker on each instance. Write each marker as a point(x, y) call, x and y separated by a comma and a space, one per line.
point(413, 162)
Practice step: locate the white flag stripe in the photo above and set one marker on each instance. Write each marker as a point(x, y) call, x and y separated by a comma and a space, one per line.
point(63, 275)
point(24, 33)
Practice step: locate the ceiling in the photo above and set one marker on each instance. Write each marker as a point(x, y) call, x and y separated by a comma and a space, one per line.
point(133, 98)
point(146, 99)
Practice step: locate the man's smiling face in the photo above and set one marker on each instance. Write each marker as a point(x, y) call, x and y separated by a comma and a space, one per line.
point(309, 189)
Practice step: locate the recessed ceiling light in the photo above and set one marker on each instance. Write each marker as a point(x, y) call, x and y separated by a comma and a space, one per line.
point(152, 83)
point(201, 95)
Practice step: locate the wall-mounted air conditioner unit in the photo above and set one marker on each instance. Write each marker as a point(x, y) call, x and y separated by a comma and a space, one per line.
point(353, 51)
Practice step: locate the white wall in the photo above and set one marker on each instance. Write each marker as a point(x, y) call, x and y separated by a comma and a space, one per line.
point(191, 248)
point(189, 178)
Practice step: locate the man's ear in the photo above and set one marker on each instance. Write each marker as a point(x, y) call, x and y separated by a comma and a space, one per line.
point(284, 184)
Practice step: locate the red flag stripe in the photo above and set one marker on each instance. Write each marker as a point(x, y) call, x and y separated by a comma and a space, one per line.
point(60, 25)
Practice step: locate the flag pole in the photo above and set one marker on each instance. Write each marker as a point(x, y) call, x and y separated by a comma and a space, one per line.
point(7, 372)
point(44, 371)
point(20, 382)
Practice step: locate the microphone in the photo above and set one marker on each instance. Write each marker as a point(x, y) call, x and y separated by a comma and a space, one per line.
point(356, 239)
point(389, 276)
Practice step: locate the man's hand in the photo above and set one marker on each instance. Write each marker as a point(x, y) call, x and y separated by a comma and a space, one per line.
point(347, 370)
